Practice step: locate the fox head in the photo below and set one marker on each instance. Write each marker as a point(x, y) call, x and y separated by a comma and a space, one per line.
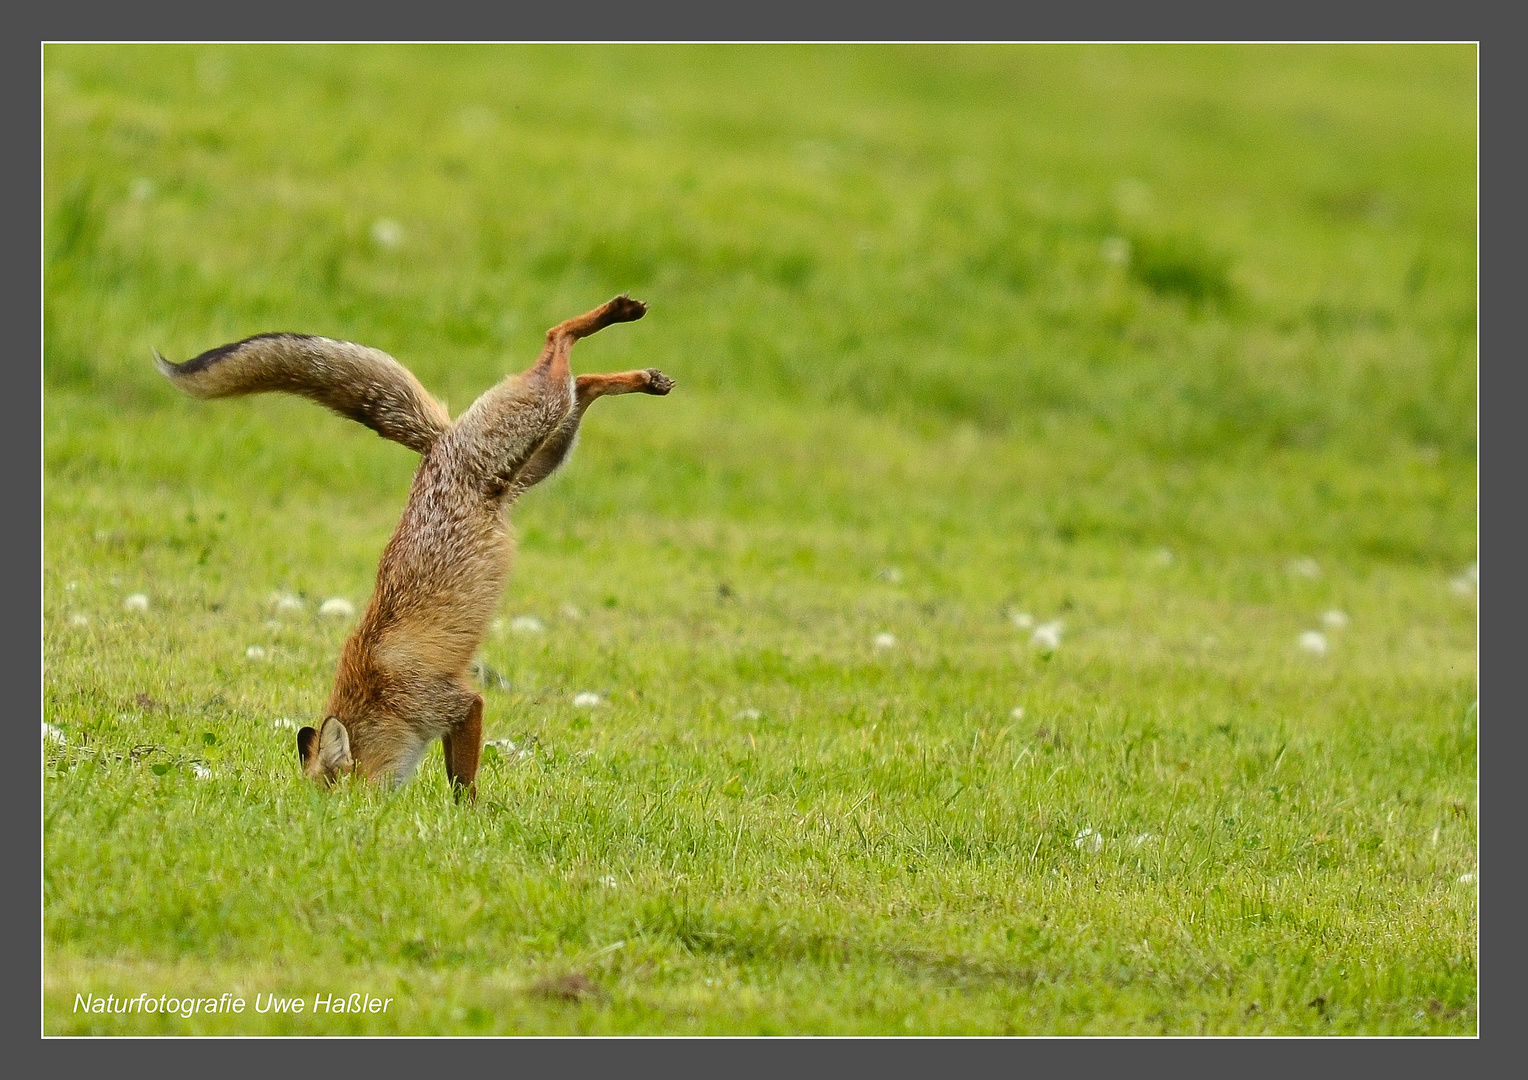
point(325, 753)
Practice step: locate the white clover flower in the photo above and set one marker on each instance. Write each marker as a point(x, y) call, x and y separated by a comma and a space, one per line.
point(1022, 619)
point(1304, 567)
point(71, 586)
point(79, 619)
point(1016, 713)
point(476, 120)
point(201, 771)
point(1089, 840)
point(53, 734)
point(1047, 636)
point(287, 602)
point(337, 607)
point(748, 714)
point(136, 602)
point(387, 233)
point(587, 699)
point(609, 881)
point(283, 723)
point(255, 652)
point(1466, 879)
point(1313, 642)
point(1115, 249)
point(1334, 619)
point(526, 624)
point(884, 640)
point(571, 612)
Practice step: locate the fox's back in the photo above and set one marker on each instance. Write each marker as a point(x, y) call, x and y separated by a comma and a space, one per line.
point(442, 572)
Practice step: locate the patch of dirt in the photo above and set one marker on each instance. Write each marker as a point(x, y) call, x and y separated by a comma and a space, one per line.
point(570, 987)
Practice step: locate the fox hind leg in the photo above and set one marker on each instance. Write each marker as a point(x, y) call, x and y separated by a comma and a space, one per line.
point(506, 426)
point(647, 381)
point(550, 455)
point(619, 309)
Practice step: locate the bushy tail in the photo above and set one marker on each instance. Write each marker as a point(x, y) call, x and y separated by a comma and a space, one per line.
point(362, 383)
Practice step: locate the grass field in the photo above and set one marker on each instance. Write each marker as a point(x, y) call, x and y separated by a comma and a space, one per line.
point(1046, 605)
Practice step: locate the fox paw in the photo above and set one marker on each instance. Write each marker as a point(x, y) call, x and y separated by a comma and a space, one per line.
point(657, 382)
point(624, 309)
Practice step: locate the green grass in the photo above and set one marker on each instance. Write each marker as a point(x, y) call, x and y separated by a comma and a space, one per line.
point(1173, 345)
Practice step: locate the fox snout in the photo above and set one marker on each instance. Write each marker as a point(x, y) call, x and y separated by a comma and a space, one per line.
point(325, 753)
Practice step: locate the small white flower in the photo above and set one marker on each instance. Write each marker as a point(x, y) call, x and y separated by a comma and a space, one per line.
point(1467, 582)
point(883, 640)
point(1304, 567)
point(387, 233)
point(52, 734)
point(1162, 557)
point(1466, 879)
point(255, 652)
point(1140, 839)
point(526, 624)
point(282, 723)
point(1115, 249)
point(136, 602)
point(1334, 619)
point(571, 612)
point(1016, 713)
point(609, 881)
point(587, 699)
point(1089, 840)
point(890, 574)
point(287, 602)
point(337, 607)
point(748, 714)
point(1022, 619)
point(1047, 636)
point(1313, 642)
point(79, 619)
point(201, 771)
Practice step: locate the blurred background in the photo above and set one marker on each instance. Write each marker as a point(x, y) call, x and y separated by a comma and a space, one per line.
point(1023, 297)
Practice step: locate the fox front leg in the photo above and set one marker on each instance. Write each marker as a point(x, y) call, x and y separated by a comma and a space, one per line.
point(463, 749)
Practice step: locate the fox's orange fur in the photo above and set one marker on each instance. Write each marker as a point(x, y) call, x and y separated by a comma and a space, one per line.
point(402, 679)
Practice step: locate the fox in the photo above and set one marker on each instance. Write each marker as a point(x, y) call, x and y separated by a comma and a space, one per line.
point(402, 678)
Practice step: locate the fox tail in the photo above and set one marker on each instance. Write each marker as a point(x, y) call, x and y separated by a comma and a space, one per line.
point(356, 381)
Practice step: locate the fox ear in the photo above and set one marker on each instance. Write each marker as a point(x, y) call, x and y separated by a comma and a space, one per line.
point(305, 740)
point(334, 747)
